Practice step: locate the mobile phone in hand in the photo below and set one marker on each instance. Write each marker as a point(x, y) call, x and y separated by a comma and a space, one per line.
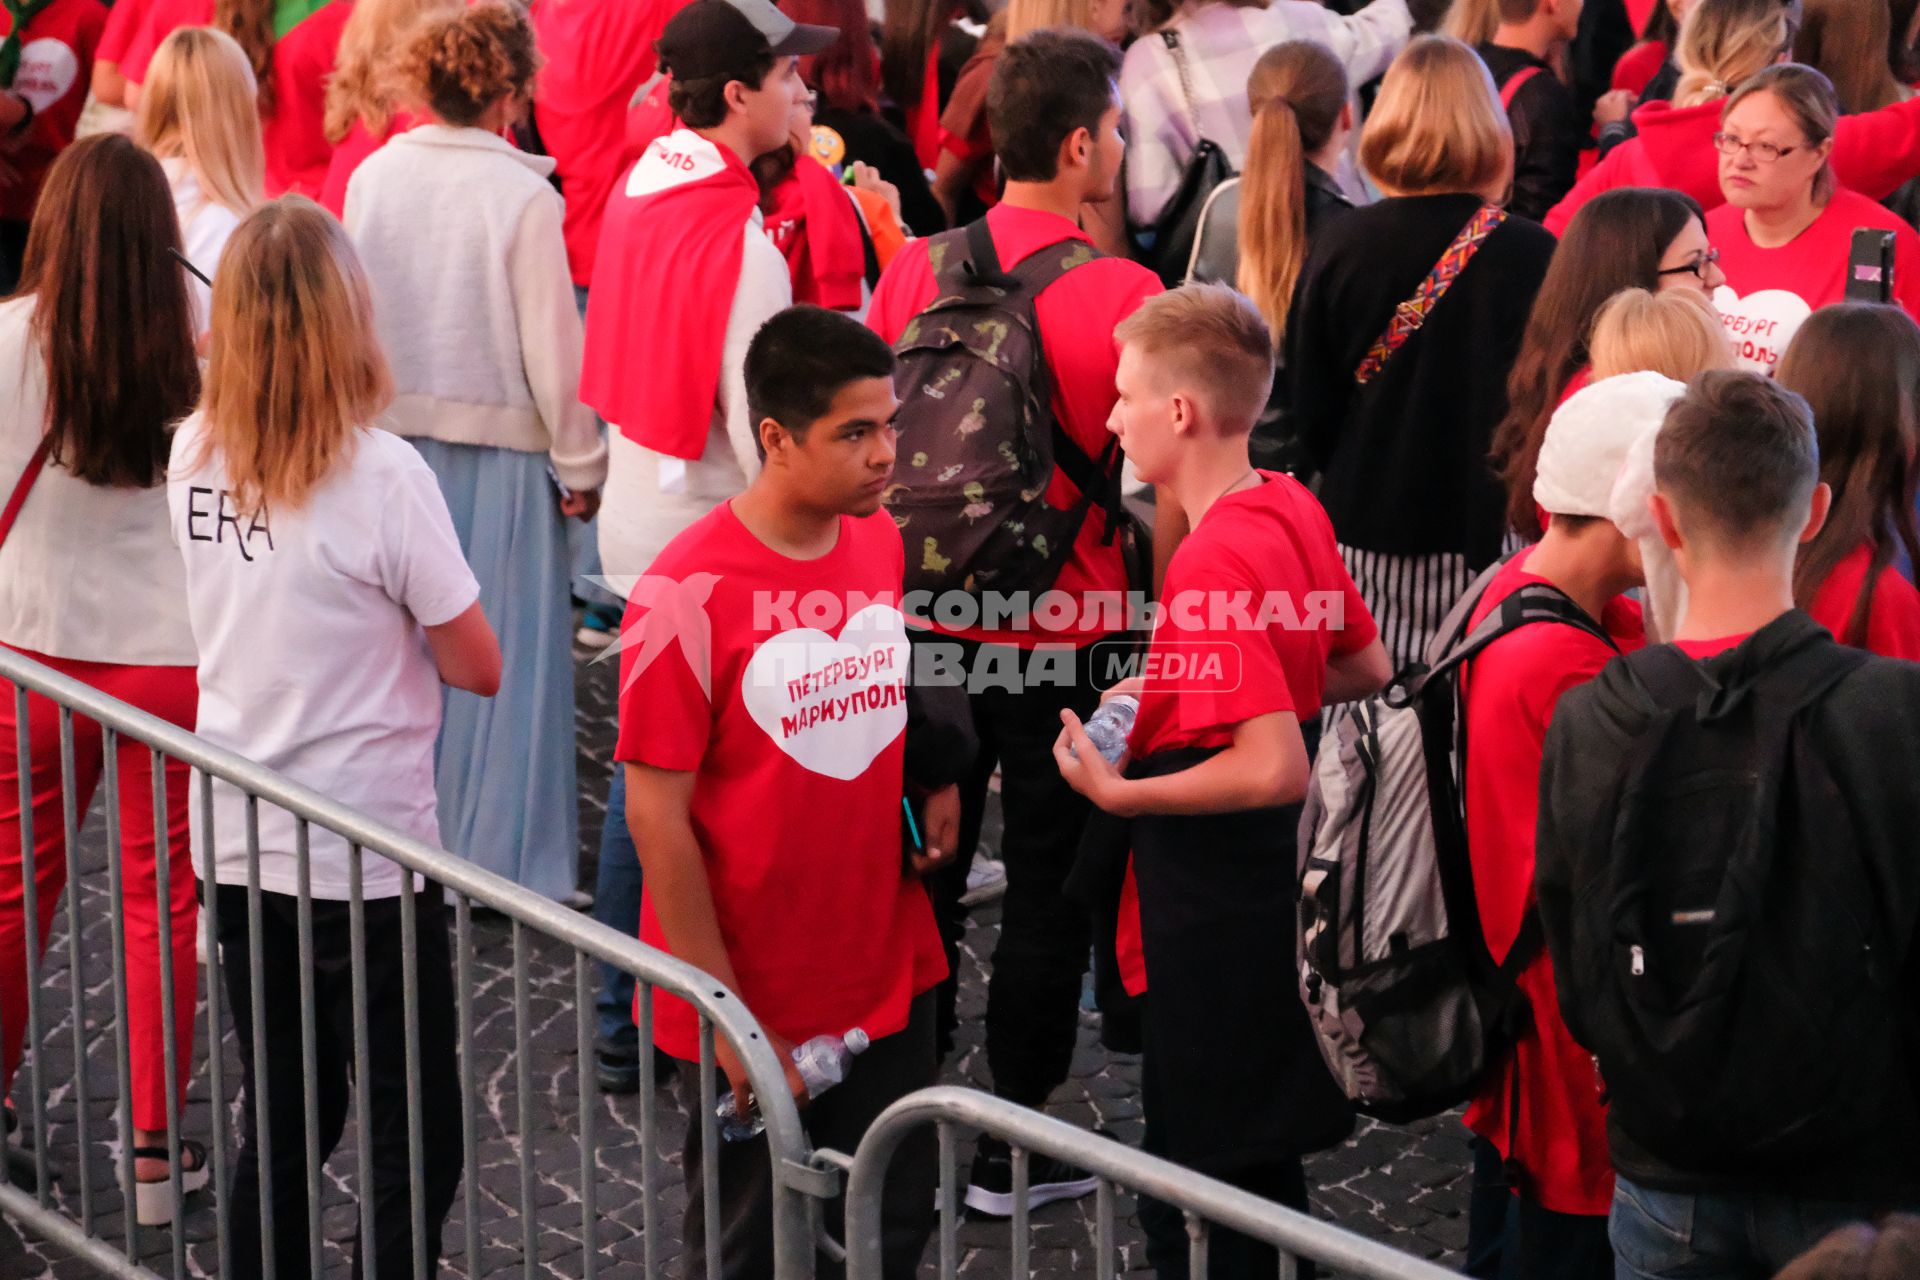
point(1870, 266)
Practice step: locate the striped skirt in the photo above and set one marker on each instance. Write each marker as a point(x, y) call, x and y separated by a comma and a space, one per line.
point(1408, 596)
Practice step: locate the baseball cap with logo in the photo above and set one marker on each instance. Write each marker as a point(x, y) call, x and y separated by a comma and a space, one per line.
point(710, 37)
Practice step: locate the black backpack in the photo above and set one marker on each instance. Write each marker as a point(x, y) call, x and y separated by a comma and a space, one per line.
point(1730, 969)
point(978, 441)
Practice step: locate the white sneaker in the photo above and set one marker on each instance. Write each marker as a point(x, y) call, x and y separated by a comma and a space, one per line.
point(986, 880)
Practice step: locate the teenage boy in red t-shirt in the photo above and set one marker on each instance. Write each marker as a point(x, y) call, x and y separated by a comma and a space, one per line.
point(1558, 1228)
point(1737, 492)
point(763, 686)
point(45, 69)
point(1259, 623)
point(1054, 113)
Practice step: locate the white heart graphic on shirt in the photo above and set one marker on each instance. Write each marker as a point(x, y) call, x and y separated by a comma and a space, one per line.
point(833, 705)
point(1761, 324)
point(48, 69)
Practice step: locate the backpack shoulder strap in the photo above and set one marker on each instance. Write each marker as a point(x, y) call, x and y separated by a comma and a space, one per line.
point(1516, 82)
point(1410, 315)
point(1530, 603)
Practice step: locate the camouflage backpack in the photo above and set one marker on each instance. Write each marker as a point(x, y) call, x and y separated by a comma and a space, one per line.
point(978, 440)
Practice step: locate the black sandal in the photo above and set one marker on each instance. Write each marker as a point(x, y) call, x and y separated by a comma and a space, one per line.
point(153, 1201)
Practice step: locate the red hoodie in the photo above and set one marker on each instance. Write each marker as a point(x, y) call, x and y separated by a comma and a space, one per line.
point(598, 52)
point(1873, 153)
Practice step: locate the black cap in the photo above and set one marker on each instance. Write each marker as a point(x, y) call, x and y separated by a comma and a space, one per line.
point(710, 37)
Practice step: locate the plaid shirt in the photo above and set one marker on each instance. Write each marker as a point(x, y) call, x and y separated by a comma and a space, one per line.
point(1222, 42)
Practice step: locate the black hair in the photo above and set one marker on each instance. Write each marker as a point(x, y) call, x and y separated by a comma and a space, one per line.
point(1738, 453)
point(799, 360)
point(1046, 85)
point(702, 103)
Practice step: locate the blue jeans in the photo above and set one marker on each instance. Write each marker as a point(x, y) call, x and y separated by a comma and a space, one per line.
point(616, 904)
point(1669, 1235)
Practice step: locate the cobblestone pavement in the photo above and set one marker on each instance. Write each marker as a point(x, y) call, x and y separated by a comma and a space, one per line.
point(1407, 1186)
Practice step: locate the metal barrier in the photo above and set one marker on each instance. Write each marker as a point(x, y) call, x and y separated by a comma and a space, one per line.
point(89, 1232)
point(1203, 1200)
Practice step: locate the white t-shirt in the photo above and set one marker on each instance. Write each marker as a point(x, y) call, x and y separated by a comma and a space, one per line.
point(312, 658)
point(205, 228)
point(89, 572)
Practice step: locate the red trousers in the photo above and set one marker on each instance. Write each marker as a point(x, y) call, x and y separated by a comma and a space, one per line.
point(172, 694)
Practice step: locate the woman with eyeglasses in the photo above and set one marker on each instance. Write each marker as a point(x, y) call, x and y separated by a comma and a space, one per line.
point(1722, 44)
point(1786, 231)
point(1638, 238)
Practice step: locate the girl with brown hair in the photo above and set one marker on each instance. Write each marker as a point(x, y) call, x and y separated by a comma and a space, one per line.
point(363, 105)
point(330, 601)
point(1866, 413)
point(923, 46)
point(96, 353)
point(1785, 232)
point(1255, 228)
point(1636, 238)
point(1399, 422)
point(479, 323)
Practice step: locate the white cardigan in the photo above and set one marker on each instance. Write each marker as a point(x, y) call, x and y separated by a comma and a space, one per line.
point(460, 235)
point(89, 572)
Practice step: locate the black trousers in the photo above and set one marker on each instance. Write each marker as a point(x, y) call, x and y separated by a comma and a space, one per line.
point(1033, 994)
point(1230, 1255)
point(333, 1043)
point(893, 1067)
point(1511, 1237)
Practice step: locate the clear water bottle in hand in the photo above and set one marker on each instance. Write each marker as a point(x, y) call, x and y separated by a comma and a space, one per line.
point(823, 1063)
point(1109, 727)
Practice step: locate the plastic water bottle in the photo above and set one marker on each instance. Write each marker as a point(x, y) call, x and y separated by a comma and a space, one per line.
point(1110, 725)
point(823, 1063)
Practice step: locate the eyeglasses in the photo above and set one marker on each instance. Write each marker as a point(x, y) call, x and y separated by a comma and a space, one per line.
point(1763, 152)
point(1698, 265)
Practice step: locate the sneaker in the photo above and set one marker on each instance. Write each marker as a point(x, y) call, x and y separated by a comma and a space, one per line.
point(990, 1187)
point(620, 1073)
point(599, 625)
point(986, 880)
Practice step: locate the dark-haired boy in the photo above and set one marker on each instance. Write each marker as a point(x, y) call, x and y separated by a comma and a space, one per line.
point(764, 686)
point(1054, 115)
point(683, 276)
point(1547, 130)
point(1799, 1109)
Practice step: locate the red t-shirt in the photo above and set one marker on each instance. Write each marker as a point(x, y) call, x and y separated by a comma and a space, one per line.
point(825, 931)
point(597, 52)
point(1076, 316)
point(354, 148)
point(1255, 600)
point(1700, 650)
point(1769, 293)
point(1511, 690)
point(160, 19)
point(56, 70)
point(1893, 618)
point(295, 135)
point(123, 22)
point(1639, 65)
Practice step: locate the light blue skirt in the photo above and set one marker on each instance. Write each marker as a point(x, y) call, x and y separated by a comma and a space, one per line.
point(505, 764)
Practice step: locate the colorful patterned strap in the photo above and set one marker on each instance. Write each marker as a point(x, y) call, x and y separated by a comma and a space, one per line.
point(1411, 314)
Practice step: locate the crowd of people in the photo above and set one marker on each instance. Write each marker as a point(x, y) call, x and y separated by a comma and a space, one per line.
point(916, 391)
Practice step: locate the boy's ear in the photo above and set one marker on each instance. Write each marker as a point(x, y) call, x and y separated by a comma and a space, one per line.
point(1817, 510)
point(772, 438)
point(1662, 512)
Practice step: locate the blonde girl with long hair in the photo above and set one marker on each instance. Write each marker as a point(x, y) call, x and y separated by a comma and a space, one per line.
point(364, 102)
point(329, 601)
point(1255, 228)
point(197, 118)
point(1722, 45)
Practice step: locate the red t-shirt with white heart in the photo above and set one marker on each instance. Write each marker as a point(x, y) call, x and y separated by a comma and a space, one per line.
point(1770, 292)
point(56, 69)
point(781, 684)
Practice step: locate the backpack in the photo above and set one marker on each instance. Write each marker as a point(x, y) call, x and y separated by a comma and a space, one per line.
point(1406, 1001)
point(978, 441)
point(1728, 957)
